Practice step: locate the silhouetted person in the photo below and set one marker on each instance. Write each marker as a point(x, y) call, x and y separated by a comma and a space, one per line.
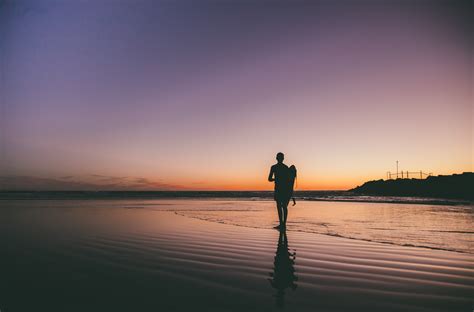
point(281, 175)
point(283, 275)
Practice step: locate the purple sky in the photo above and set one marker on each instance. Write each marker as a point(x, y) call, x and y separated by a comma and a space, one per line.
point(202, 94)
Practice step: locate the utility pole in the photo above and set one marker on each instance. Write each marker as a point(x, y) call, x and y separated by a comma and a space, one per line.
point(397, 169)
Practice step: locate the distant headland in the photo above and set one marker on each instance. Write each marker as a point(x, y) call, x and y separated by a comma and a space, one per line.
point(459, 186)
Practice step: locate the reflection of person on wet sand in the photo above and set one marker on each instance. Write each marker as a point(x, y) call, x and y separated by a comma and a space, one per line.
point(283, 275)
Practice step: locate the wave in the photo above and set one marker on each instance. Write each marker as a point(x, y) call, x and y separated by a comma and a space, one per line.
point(221, 221)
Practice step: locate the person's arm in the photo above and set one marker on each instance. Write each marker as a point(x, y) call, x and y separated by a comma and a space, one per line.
point(270, 176)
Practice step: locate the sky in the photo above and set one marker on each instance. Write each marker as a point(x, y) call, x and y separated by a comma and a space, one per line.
point(201, 95)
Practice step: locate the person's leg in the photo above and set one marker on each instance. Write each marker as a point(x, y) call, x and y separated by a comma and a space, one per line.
point(285, 211)
point(279, 209)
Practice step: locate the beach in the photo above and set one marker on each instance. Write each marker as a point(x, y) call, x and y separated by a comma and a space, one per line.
point(174, 255)
point(228, 156)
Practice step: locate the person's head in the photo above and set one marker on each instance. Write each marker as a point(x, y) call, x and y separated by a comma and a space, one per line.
point(280, 156)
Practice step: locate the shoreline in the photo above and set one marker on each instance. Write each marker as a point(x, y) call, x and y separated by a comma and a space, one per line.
point(336, 235)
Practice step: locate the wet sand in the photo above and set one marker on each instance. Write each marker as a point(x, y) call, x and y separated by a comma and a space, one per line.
point(91, 259)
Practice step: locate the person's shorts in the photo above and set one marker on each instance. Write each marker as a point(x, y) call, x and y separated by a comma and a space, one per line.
point(282, 196)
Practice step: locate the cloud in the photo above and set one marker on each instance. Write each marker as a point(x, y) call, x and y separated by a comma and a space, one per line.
point(72, 183)
point(41, 184)
point(141, 180)
point(107, 178)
